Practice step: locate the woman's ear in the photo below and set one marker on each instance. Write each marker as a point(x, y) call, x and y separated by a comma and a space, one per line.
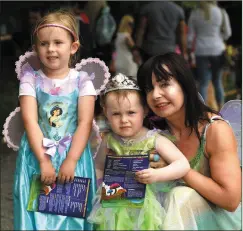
point(34, 48)
point(74, 47)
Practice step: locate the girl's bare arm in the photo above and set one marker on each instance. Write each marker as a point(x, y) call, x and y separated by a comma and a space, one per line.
point(81, 135)
point(177, 166)
point(28, 105)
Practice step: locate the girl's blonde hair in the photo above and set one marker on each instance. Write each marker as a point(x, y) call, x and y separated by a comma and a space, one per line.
point(126, 24)
point(63, 18)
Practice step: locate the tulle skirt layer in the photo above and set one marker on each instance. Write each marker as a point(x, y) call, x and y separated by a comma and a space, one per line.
point(149, 217)
point(181, 208)
point(187, 210)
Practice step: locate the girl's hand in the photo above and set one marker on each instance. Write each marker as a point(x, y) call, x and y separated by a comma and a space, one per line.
point(66, 171)
point(48, 173)
point(147, 176)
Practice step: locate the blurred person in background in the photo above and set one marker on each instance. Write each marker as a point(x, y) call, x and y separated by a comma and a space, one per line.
point(161, 27)
point(104, 31)
point(84, 30)
point(209, 25)
point(123, 59)
point(23, 37)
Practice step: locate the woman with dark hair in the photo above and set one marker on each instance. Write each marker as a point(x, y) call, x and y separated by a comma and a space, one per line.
point(209, 196)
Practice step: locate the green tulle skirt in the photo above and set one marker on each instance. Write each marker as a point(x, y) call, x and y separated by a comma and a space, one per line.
point(149, 217)
point(178, 208)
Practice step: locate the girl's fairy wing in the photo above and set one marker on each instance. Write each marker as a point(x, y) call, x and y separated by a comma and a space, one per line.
point(30, 58)
point(13, 129)
point(231, 111)
point(97, 69)
point(95, 139)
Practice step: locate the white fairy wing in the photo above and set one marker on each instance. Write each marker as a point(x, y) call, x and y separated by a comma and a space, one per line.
point(231, 111)
point(29, 57)
point(95, 139)
point(98, 71)
point(13, 129)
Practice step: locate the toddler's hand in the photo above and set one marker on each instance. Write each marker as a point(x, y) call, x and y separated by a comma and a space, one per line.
point(147, 176)
point(48, 174)
point(66, 171)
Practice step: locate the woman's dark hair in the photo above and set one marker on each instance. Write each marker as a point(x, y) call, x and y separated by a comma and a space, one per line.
point(54, 109)
point(195, 108)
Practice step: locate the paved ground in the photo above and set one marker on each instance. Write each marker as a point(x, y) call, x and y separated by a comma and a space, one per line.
point(8, 158)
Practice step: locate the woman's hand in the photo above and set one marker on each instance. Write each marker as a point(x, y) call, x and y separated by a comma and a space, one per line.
point(156, 164)
point(147, 176)
point(66, 171)
point(48, 173)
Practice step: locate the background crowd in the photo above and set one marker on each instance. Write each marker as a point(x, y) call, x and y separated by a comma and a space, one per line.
point(112, 30)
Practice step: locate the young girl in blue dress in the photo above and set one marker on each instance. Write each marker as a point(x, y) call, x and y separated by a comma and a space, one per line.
point(57, 105)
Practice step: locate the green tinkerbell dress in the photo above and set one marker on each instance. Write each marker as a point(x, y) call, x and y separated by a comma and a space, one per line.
point(151, 215)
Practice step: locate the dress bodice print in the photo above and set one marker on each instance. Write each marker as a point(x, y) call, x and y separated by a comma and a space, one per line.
point(57, 114)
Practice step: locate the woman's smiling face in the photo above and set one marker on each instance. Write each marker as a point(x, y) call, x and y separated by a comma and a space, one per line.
point(166, 97)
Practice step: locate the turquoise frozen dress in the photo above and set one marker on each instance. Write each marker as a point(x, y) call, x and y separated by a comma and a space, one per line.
point(151, 215)
point(57, 118)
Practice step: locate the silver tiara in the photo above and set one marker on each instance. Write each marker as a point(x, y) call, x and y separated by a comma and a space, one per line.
point(120, 82)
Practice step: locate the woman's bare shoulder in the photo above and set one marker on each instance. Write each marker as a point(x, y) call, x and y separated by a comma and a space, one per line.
point(220, 136)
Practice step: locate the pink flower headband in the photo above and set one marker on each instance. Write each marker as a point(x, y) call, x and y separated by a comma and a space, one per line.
point(57, 25)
